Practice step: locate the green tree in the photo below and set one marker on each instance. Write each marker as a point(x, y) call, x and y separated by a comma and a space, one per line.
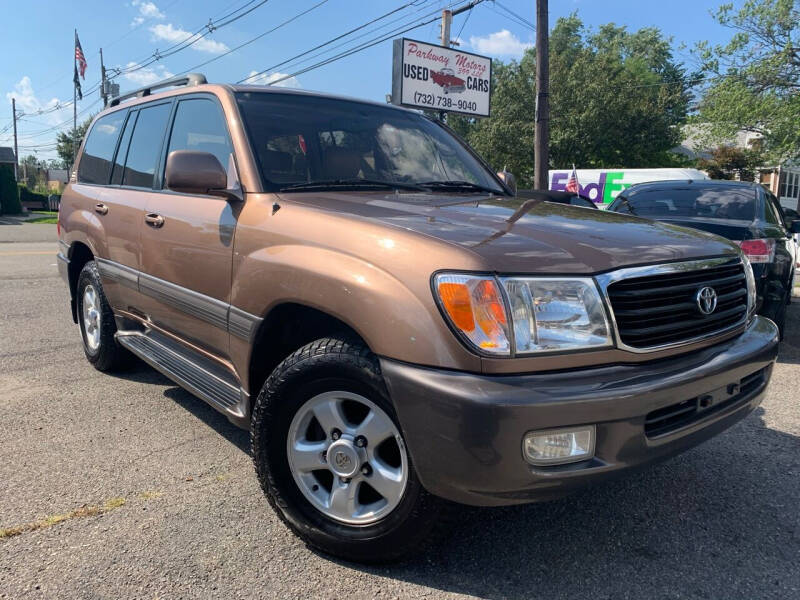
point(754, 79)
point(64, 141)
point(617, 99)
point(9, 195)
point(32, 171)
point(730, 162)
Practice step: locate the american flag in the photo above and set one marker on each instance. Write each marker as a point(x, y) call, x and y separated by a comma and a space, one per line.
point(572, 182)
point(80, 57)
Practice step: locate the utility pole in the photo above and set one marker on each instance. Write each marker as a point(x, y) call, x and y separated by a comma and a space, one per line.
point(447, 20)
point(541, 139)
point(16, 154)
point(103, 84)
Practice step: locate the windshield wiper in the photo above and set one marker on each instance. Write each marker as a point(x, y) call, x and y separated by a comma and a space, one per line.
point(354, 182)
point(457, 185)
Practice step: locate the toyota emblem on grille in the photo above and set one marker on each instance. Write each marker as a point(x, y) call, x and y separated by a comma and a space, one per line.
point(706, 299)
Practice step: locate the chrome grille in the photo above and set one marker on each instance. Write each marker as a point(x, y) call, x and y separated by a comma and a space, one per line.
point(657, 306)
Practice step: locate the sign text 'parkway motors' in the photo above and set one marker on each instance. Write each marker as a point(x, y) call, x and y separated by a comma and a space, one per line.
point(439, 78)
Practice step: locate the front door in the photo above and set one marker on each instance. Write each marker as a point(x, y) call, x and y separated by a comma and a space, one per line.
point(187, 239)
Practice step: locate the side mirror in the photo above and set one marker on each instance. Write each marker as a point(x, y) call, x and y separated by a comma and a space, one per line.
point(794, 226)
point(193, 172)
point(509, 180)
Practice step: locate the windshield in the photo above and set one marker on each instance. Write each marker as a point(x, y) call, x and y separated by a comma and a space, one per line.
point(714, 203)
point(306, 139)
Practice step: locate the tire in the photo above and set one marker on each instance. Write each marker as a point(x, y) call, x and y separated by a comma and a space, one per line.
point(339, 371)
point(99, 345)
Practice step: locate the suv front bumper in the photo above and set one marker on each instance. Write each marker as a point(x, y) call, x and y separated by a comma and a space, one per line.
point(464, 431)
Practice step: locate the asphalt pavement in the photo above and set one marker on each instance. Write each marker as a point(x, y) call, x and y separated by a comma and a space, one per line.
point(126, 486)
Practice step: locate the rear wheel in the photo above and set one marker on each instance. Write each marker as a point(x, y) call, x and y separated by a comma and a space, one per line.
point(331, 459)
point(97, 323)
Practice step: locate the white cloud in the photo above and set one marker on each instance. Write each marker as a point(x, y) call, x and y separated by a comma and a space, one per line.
point(30, 104)
point(499, 43)
point(168, 33)
point(265, 79)
point(147, 10)
point(30, 142)
point(147, 75)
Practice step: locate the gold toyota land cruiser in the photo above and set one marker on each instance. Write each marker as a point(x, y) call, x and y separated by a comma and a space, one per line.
point(354, 285)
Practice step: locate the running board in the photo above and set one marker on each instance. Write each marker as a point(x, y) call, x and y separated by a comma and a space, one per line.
point(189, 369)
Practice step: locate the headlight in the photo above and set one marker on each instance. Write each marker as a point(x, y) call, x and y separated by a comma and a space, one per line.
point(751, 285)
point(546, 314)
point(556, 314)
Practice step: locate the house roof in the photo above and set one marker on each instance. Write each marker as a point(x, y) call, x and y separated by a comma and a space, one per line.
point(6, 155)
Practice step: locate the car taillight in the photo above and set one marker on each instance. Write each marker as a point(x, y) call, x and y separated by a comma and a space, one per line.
point(758, 251)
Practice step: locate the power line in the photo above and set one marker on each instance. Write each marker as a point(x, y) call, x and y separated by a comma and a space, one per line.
point(250, 41)
point(366, 33)
point(190, 40)
point(354, 50)
point(514, 16)
point(338, 37)
point(409, 26)
point(464, 23)
point(226, 19)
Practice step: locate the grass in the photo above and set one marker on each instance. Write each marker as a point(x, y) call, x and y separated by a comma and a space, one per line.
point(47, 220)
point(49, 521)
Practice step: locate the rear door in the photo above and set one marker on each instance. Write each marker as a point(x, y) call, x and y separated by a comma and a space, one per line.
point(188, 243)
point(114, 218)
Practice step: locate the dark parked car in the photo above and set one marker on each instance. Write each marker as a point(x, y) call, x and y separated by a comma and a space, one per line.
point(743, 212)
point(557, 197)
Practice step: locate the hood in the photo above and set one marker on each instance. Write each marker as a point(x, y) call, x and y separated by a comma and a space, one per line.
point(513, 235)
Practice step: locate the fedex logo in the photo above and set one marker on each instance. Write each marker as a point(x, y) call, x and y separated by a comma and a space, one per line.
point(602, 191)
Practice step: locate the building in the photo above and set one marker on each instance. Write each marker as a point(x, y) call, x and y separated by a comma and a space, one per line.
point(7, 156)
point(782, 180)
point(57, 179)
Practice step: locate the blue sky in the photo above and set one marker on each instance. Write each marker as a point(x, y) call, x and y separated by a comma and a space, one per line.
point(36, 39)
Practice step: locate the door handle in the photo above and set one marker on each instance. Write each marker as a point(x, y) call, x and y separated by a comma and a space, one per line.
point(154, 220)
point(101, 208)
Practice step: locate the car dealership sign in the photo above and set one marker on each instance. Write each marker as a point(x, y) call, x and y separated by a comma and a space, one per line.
point(439, 78)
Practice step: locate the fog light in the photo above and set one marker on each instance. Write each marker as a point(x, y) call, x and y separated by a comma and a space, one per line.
point(559, 446)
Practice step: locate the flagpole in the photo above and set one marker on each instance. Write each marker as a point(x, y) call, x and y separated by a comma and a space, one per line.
point(74, 100)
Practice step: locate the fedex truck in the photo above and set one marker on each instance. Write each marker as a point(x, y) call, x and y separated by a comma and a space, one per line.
point(602, 185)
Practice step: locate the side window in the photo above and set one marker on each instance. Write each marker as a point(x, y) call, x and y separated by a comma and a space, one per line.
point(122, 153)
point(145, 146)
point(200, 125)
point(95, 163)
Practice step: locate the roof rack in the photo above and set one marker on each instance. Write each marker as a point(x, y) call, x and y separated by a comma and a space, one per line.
point(188, 79)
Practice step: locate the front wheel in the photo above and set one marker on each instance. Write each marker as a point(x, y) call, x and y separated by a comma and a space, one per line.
point(330, 456)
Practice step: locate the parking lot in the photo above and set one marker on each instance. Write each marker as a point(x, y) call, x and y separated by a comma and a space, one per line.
point(126, 486)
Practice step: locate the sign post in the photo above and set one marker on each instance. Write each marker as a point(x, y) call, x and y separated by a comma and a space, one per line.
point(438, 78)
